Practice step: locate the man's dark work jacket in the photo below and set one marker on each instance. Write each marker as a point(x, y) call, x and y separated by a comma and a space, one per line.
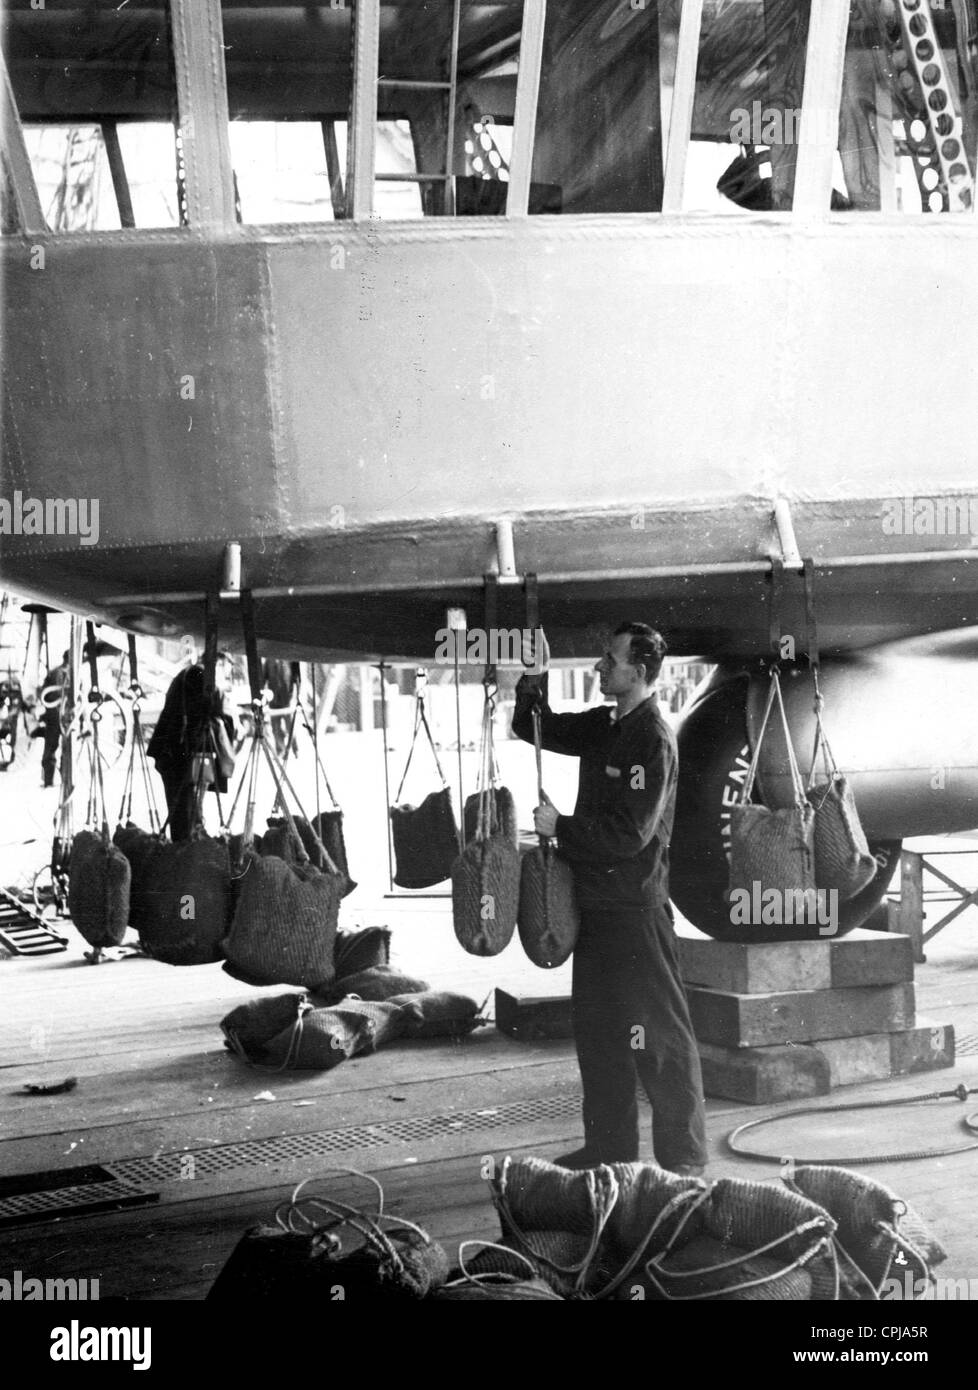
point(617, 840)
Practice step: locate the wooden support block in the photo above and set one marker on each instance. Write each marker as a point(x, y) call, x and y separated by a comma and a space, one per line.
point(926, 1047)
point(860, 958)
point(529, 1018)
point(912, 901)
point(764, 1020)
point(763, 1075)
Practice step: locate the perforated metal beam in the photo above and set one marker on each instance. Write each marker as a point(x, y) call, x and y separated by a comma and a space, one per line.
point(198, 54)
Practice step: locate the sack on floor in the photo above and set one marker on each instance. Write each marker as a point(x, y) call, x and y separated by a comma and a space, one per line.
point(284, 923)
point(359, 950)
point(98, 889)
point(250, 1026)
point(502, 815)
point(320, 1039)
point(882, 1234)
point(486, 895)
point(137, 845)
point(393, 1265)
point(758, 1244)
point(425, 841)
point(440, 1014)
point(548, 919)
point(377, 982)
point(185, 900)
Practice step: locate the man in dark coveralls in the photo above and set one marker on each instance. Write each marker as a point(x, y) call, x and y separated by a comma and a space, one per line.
point(630, 1013)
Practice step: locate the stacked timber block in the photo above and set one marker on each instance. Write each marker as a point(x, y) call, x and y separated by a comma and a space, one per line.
point(786, 1020)
point(790, 1019)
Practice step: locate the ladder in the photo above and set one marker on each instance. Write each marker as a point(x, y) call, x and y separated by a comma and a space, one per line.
point(24, 931)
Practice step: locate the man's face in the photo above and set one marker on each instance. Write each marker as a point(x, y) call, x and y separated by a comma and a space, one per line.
point(617, 674)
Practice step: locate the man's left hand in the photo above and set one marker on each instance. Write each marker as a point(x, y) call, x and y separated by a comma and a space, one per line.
point(545, 817)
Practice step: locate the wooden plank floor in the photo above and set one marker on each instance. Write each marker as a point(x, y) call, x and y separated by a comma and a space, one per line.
point(154, 1079)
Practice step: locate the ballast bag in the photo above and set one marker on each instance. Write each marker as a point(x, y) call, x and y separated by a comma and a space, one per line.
point(842, 857)
point(486, 895)
point(284, 923)
point(502, 815)
point(185, 901)
point(98, 889)
point(425, 841)
point(548, 918)
point(138, 846)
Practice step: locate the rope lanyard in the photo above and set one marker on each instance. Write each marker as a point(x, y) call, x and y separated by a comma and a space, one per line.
point(420, 722)
point(774, 694)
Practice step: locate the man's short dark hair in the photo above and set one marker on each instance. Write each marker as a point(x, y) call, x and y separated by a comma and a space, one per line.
point(647, 648)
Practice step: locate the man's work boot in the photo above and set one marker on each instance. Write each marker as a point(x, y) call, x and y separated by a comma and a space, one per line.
point(577, 1160)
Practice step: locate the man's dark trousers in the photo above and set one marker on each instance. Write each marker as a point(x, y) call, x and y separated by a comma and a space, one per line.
point(631, 1020)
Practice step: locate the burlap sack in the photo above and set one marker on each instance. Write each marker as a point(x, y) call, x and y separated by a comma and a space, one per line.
point(138, 846)
point(486, 895)
point(359, 950)
point(842, 857)
point(98, 889)
point(548, 918)
point(327, 829)
point(426, 841)
point(874, 1224)
point(502, 815)
point(284, 923)
point(320, 1039)
point(439, 1014)
point(185, 901)
point(376, 983)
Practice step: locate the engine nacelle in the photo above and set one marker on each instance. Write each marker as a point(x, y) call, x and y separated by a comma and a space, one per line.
point(902, 721)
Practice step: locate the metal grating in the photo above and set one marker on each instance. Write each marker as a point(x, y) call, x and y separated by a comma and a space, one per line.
point(966, 1045)
point(129, 1179)
point(292, 1148)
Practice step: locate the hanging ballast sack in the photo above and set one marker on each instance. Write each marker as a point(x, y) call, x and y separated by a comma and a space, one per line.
point(773, 850)
point(486, 875)
point(425, 837)
point(99, 874)
point(842, 856)
point(548, 917)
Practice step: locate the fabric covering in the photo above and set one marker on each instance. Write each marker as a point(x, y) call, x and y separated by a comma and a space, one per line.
point(185, 896)
point(284, 922)
point(426, 841)
point(98, 889)
point(278, 840)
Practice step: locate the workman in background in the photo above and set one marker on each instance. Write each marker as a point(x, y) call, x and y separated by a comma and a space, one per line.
point(52, 696)
point(181, 736)
point(630, 1012)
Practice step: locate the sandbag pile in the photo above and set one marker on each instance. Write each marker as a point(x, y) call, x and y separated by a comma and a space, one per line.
point(356, 1014)
point(627, 1231)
